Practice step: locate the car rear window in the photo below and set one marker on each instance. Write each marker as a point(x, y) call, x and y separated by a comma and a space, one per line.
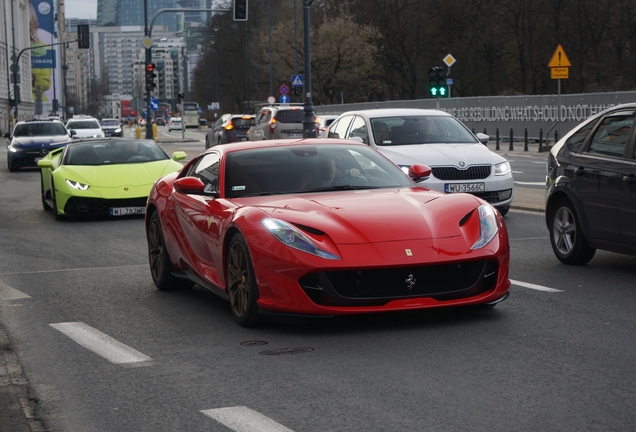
point(84, 124)
point(242, 122)
point(109, 123)
point(290, 116)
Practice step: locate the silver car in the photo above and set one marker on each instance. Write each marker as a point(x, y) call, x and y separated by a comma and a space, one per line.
point(460, 161)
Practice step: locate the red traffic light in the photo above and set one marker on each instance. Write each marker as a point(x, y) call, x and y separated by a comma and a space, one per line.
point(150, 67)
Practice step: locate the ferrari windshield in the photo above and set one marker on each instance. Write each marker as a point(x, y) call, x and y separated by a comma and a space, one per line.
point(113, 152)
point(406, 130)
point(305, 169)
point(39, 129)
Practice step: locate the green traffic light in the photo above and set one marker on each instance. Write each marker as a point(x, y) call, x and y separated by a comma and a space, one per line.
point(442, 91)
point(434, 91)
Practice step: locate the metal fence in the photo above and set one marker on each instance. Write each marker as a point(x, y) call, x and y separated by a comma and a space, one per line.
point(542, 114)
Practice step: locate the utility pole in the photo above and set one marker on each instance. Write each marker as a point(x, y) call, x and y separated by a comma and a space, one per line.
point(309, 123)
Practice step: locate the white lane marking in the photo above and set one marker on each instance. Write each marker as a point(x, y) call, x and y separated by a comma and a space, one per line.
point(534, 287)
point(243, 419)
point(530, 183)
point(75, 269)
point(100, 343)
point(8, 293)
point(517, 172)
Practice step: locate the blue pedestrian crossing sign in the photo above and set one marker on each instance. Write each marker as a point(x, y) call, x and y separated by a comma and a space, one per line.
point(284, 99)
point(297, 80)
point(154, 104)
point(199, 110)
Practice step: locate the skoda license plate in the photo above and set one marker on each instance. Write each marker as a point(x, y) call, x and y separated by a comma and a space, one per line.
point(464, 187)
point(126, 211)
point(295, 135)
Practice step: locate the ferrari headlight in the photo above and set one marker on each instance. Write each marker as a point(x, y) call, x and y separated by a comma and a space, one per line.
point(290, 236)
point(502, 168)
point(77, 185)
point(488, 226)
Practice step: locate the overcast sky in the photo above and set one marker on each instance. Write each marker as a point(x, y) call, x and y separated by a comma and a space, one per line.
point(81, 8)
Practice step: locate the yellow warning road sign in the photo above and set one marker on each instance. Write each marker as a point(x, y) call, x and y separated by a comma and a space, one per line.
point(559, 58)
point(560, 72)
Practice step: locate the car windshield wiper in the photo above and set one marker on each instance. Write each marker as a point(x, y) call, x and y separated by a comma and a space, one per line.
point(339, 188)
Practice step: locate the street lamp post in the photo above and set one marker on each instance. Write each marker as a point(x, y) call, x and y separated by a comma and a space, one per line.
point(309, 123)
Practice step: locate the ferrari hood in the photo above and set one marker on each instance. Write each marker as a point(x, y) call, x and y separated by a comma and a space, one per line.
point(441, 154)
point(117, 175)
point(373, 216)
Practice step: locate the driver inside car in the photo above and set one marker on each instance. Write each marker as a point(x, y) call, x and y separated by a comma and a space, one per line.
point(326, 171)
point(128, 151)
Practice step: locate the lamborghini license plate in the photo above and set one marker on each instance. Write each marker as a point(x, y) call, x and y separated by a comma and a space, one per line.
point(126, 211)
point(464, 187)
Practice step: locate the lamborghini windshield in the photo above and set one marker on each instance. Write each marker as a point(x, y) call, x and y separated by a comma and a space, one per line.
point(113, 152)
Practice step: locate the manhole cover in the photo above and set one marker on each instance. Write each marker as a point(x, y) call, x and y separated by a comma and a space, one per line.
point(286, 351)
point(253, 343)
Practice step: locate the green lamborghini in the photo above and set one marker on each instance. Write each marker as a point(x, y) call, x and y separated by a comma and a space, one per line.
point(103, 176)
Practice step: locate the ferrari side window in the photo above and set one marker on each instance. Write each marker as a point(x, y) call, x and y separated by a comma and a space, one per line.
point(207, 170)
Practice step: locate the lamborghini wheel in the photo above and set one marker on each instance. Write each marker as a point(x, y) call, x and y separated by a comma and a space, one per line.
point(45, 204)
point(241, 283)
point(160, 265)
point(58, 216)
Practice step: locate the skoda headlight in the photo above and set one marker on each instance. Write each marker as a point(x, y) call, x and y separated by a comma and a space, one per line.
point(488, 226)
point(77, 185)
point(502, 168)
point(290, 236)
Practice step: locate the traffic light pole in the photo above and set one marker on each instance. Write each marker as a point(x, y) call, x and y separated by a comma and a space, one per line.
point(309, 123)
point(148, 33)
point(15, 70)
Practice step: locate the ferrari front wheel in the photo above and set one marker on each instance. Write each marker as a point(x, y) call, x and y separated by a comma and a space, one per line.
point(241, 283)
point(160, 265)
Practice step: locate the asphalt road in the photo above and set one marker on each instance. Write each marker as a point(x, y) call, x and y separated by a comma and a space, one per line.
point(557, 355)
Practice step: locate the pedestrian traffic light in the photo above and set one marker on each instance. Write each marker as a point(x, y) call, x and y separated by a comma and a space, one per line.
point(437, 82)
point(240, 10)
point(150, 76)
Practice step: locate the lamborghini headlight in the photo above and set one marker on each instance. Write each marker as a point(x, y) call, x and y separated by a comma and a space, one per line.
point(290, 236)
point(488, 226)
point(77, 185)
point(502, 168)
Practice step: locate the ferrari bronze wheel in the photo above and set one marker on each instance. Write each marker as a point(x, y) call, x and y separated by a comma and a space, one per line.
point(241, 283)
point(160, 265)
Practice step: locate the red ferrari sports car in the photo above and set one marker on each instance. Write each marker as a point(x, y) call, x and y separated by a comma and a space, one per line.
point(321, 227)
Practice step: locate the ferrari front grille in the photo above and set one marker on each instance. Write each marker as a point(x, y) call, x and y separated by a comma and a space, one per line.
point(378, 286)
point(470, 173)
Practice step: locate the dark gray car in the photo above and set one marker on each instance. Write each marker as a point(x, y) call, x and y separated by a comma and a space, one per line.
point(591, 182)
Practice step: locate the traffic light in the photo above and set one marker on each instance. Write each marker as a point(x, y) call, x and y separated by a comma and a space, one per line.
point(240, 10)
point(83, 37)
point(150, 76)
point(437, 82)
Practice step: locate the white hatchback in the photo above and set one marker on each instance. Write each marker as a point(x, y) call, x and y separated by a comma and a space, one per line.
point(84, 127)
point(174, 124)
point(460, 161)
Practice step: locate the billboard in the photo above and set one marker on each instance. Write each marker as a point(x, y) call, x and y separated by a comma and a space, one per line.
point(45, 76)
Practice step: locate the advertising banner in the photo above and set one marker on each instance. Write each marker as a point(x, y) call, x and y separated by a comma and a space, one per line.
point(45, 80)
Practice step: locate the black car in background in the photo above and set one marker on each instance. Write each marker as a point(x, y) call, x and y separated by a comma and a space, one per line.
point(160, 121)
point(31, 140)
point(111, 127)
point(591, 182)
point(229, 128)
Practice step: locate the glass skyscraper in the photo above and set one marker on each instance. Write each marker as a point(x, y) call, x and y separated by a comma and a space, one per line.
point(131, 13)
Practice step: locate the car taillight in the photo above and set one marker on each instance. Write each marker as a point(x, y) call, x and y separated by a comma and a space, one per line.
point(272, 125)
point(229, 126)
